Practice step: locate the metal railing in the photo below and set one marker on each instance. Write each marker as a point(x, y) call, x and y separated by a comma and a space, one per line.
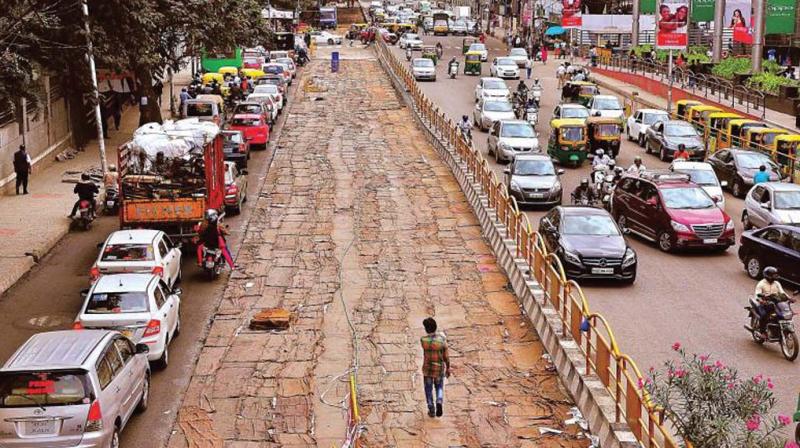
point(591, 332)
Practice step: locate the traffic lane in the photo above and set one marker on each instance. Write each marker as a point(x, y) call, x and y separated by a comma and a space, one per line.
point(693, 297)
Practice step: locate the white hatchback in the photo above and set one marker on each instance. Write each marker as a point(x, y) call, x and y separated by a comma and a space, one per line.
point(140, 306)
point(640, 121)
point(139, 251)
point(504, 68)
point(703, 175)
point(272, 90)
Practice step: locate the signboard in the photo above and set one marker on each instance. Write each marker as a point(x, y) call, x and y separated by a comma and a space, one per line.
point(571, 14)
point(703, 10)
point(647, 6)
point(672, 20)
point(739, 17)
point(780, 16)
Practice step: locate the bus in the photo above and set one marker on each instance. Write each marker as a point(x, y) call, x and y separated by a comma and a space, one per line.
point(441, 26)
point(212, 61)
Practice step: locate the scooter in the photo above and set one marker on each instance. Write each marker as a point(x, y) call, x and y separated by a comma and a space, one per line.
point(112, 202)
point(453, 69)
point(532, 115)
point(536, 90)
point(85, 217)
point(213, 262)
point(466, 134)
point(409, 53)
point(780, 328)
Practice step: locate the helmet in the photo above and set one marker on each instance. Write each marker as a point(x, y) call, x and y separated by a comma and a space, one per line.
point(112, 168)
point(612, 163)
point(212, 216)
point(637, 159)
point(600, 152)
point(770, 273)
point(584, 182)
point(85, 176)
point(464, 118)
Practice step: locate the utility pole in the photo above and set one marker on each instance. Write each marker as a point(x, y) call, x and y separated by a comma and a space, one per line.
point(635, 24)
point(758, 34)
point(669, 91)
point(719, 18)
point(97, 114)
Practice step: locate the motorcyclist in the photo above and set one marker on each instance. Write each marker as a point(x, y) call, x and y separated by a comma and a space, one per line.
point(637, 167)
point(584, 191)
point(86, 191)
point(600, 158)
point(439, 49)
point(465, 126)
point(110, 180)
point(450, 64)
point(768, 292)
point(212, 235)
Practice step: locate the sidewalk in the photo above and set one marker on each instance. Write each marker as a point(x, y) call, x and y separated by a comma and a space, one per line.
point(358, 210)
point(32, 224)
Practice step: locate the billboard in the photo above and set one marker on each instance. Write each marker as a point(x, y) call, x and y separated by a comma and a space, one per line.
point(703, 10)
point(739, 17)
point(780, 16)
point(672, 20)
point(571, 14)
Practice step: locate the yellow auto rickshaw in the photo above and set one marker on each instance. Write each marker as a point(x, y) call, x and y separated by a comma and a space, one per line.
point(406, 28)
point(230, 71)
point(718, 123)
point(732, 137)
point(472, 63)
point(580, 92)
point(429, 51)
point(787, 155)
point(698, 114)
point(603, 133)
point(252, 73)
point(567, 143)
point(466, 42)
point(209, 78)
point(679, 111)
point(761, 139)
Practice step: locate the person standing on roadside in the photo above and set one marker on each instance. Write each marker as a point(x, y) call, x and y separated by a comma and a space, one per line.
point(528, 68)
point(435, 366)
point(544, 54)
point(22, 168)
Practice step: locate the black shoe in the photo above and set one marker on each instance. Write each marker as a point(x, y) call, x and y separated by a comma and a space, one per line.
point(431, 412)
point(24, 192)
point(439, 409)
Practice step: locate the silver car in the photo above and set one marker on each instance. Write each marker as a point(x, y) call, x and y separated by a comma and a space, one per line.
point(771, 203)
point(532, 179)
point(74, 388)
point(487, 112)
point(423, 68)
point(519, 56)
point(504, 68)
point(507, 138)
point(491, 89)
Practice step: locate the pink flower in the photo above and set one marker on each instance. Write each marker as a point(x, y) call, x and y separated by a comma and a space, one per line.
point(757, 379)
point(731, 386)
point(753, 423)
point(784, 420)
point(719, 365)
point(676, 346)
point(791, 444)
point(704, 358)
point(680, 373)
point(708, 368)
point(770, 386)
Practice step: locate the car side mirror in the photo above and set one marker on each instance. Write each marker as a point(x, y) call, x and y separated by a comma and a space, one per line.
point(765, 205)
point(100, 245)
point(723, 184)
point(652, 201)
point(177, 291)
point(142, 349)
point(715, 199)
point(84, 293)
point(244, 172)
point(559, 172)
point(626, 231)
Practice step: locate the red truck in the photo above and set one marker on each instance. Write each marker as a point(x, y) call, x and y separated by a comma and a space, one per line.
point(168, 180)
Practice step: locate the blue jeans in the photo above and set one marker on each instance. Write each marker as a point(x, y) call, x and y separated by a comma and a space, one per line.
point(429, 385)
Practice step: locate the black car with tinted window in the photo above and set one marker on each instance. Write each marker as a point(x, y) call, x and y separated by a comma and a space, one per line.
point(777, 246)
point(589, 243)
point(664, 137)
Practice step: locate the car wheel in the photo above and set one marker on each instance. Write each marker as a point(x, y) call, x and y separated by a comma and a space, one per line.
point(163, 361)
point(177, 331)
point(330, 41)
point(663, 154)
point(622, 222)
point(630, 137)
point(665, 242)
point(754, 267)
point(114, 438)
point(489, 150)
point(641, 140)
point(746, 224)
point(737, 188)
point(647, 148)
point(497, 157)
point(144, 401)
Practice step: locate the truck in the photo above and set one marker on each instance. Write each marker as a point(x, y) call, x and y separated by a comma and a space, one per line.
point(327, 18)
point(170, 175)
point(441, 26)
point(462, 12)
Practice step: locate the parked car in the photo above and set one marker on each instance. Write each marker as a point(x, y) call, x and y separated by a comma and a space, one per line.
point(235, 188)
point(139, 306)
point(588, 243)
point(72, 388)
point(504, 68)
point(533, 180)
point(487, 112)
point(324, 37)
point(640, 121)
point(289, 64)
point(772, 203)
point(491, 89)
point(274, 91)
point(507, 138)
point(139, 251)
point(606, 106)
point(672, 211)
point(664, 137)
point(410, 40)
point(254, 128)
point(702, 174)
point(236, 147)
point(423, 68)
point(519, 56)
point(738, 166)
point(777, 245)
point(479, 48)
point(570, 110)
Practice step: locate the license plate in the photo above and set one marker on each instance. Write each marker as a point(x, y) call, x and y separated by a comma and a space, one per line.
point(110, 203)
point(537, 195)
point(602, 270)
point(710, 241)
point(209, 264)
point(40, 427)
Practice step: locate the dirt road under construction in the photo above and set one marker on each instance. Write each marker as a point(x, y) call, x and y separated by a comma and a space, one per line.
point(360, 224)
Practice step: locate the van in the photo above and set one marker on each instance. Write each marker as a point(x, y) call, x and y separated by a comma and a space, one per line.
point(74, 388)
point(205, 109)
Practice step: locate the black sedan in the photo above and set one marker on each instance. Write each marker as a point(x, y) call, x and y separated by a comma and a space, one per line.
point(738, 166)
point(664, 138)
point(777, 246)
point(588, 243)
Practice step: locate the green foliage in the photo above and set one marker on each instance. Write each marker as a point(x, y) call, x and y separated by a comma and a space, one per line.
point(695, 53)
point(771, 67)
point(770, 82)
point(729, 67)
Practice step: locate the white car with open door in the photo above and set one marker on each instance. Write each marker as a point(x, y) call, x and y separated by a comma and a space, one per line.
point(640, 121)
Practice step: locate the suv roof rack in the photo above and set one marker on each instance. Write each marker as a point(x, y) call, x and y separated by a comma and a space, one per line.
point(665, 176)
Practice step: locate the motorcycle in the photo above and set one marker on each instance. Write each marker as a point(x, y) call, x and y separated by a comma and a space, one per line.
point(409, 53)
point(85, 218)
point(112, 201)
point(536, 90)
point(466, 134)
point(780, 327)
point(532, 115)
point(453, 69)
point(583, 200)
point(598, 174)
point(213, 262)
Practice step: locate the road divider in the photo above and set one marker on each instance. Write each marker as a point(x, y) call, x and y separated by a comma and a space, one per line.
point(605, 383)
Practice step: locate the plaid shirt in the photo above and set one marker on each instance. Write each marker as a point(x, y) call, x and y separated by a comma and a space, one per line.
point(434, 348)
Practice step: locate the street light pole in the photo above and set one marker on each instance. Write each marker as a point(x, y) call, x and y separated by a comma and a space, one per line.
point(758, 34)
point(635, 24)
point(97, 114)
point(669, 91)
point(719, 18)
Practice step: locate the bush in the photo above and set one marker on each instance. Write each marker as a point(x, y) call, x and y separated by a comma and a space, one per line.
point(729, 67)
point(712, 407)
point(769, 82)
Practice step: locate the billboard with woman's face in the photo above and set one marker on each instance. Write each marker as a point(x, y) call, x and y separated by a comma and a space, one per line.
point(672, 24)
point(571, 14)
point(739, 17)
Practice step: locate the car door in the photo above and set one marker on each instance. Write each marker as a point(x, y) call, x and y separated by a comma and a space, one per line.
point(494, 134)
point(127, 377)
point(651, 136)
point(718, 162)
point(176, 253)
point(170, 274)
point(478, 89)
point(621, 202)
point(113, 390)
point(752, 203)
point(790, 259)
point(168, 306)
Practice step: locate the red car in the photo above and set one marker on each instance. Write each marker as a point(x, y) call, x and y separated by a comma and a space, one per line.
point(254, 128)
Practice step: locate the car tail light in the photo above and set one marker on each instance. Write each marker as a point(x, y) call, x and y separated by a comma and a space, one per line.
point(233, 189)
point(94, 273)
point(159, 271)
point(94, 421)
point(153, 328)
point(77, 325)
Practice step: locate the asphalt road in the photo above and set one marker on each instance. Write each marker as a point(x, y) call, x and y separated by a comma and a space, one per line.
point(695, 298)
point(48, 298)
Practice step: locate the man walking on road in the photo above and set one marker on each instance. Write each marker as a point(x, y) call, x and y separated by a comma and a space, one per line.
point(435, 366)
point(22, 168)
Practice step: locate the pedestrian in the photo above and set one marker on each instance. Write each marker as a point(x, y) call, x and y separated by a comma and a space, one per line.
point(22, 168)
point(561, 73)
point(544, 54)
point(116, 109)
point(158, 88)
point(143, 110)
point(761, 175)
point(184, 96)
point(435, 366)
point(528, 67)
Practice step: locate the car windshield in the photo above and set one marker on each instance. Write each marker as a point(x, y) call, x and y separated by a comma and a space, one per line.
point(571, 134)
point(701, 177)
point(423, 63)
point(117, 303)
point(232, 138)
point(128, 252)
point(266, 88)
point(41, 388)
point(686, 198)
point(534, 168)
point(275, 69)
point(607, 103)
point(753, 161)
point(247, 109)
point(199, 110)
point(589, 90)
point(506, 61)
point(649, 119)
point(595, 225)
point(518, 52)
point(286, 61)
point(574, 112)
point(494, 85)
point(245, 121)
point(477, 47)
point(679, 130)
point(412, 37)
point(787, 200)
point(517, 130)
point(607, 130)
point(497, 106)
point(460, 23)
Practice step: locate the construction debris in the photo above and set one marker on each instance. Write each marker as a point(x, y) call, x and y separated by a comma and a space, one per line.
point(271, 319)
